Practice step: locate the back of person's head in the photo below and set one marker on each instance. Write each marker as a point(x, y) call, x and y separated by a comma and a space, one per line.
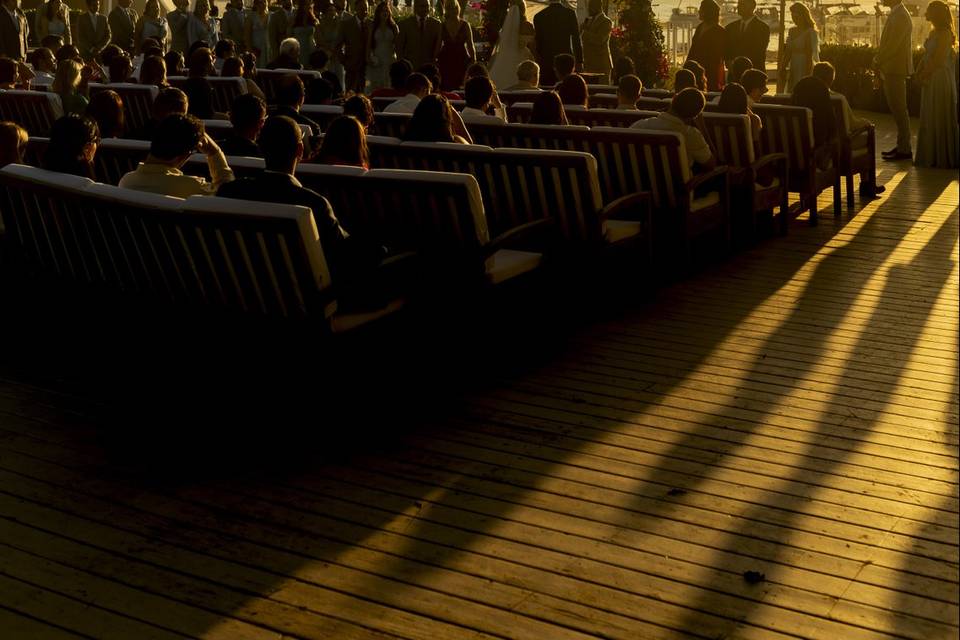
point(225, 48)
point(318, 60)
point(360, 107)
point(475, 70)
point(699, 73)
point(174, 62)
point(710, 11)
point(201, 63)
point(688, 104)
point(290, 48)
point(290, 91)
point(153, 71)
point(68, 52)
point(168, 102)
point(430, 121)
point(199, 44)
point(73, 143)
point(110, 52)
point(399, 72)
point(528, 71)
point(809, 91)
point(417, 84)
point(13, 142)
point(737, 67)
point(106, 108)
point(149, 48)
point(177, 136)
point(334, 80)
point(67, 78)
point(573, 91)
point(280, 142)
point(629, 88)
point(247, 113)
point(345, 143)
point(684, 79)
point(42, 59)
point(753, 79)
point(825, 72)
point(320, 91)
point(564, 64)
point(548, 109)
point(477, 92)
point(232, 68)
point(623, 66)
point(432, 72)
point(249, 60)
point(52, 42)
point(120, 67)
point(733, 99)
point(9, 71)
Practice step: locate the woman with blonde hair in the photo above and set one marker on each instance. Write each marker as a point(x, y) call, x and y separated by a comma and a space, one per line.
point(255, 29)
point(13, 143)
point(152, 25)
point(938, 140)
point(53, 19)
point(202, 26)
point(801, 50)
point(66, 84)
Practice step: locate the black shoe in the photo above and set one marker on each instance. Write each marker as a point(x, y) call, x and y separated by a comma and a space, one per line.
point(866, 192)
point(899, 156)
point(889, 152)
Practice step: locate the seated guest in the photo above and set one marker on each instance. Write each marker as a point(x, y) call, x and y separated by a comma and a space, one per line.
point(13, 142)
point(416, 87)
point(249, 65)
point(120, 68)
point(733, 99)
point(66, 84)
point(334, 81)
point(360, 107)
point(754, 82)
point(812, 93)
point(399, 72)
point(573, 91)
point(224, 49)
point(476, 69)
point(151, 48)
point(289, 56)
point(68, 52)
point(698, 72)
point(563, 65)
point(289, 98)
point(432, 121)
point(176, 139)
point(72, 147)
point(345, 143)
point(282, 149)
point(684, 110)
point(528, 76)
point(684, 79)
point(318, 60)
point(198, 89)
point(9, 73)
point(170, 101)
point(106, 109)
point(478, 93)
point(153, 71)
point(629, 88)
point(236, 68)
point(247, 115)
point(548, 109)
point(174, 62)
point(737, 67)
point(432, 71)
point(110, 52)
point(622, 66)
point(320, 91)
point(52, 42)
point(44, 66)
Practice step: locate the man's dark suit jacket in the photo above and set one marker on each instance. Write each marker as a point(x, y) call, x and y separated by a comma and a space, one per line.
point(237, 145)
point(283, 61)
point(123, 23)
point(13, 43)
point(557, 31)
point(296, 116)
point(751, 42)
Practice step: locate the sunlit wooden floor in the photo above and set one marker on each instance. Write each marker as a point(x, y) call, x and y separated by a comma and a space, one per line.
point(767, 449)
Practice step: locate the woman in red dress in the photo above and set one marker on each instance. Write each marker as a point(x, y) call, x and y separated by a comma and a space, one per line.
point(708, 44)
point(456, 50)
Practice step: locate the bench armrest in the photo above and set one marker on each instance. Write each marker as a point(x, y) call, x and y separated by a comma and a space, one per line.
point(517, 233)
point(717, 174)
point(769, 158)
point(633, 206)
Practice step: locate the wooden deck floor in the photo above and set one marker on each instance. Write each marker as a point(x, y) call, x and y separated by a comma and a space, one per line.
point(790, 412)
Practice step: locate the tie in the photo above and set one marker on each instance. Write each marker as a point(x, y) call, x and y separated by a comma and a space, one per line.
point(421, 26)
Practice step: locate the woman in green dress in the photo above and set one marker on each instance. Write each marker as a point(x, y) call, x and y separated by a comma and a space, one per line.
point(938, 140)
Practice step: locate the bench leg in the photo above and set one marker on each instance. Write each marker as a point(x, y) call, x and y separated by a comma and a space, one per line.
point(814, 208)
point(837, 198)
point(850, 192)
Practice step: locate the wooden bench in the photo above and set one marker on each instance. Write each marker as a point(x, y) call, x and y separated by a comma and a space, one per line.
point(137, 101)
point(268, 79)
point(35, 111)
point(520, 112)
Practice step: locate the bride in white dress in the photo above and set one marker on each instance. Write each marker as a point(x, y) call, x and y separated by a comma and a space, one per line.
point(513, 45)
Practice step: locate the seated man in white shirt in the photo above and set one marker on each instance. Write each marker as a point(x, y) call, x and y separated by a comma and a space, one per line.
point(417, 86)
point(528, 77)
point(177, 137)
point(478, 93)
point(628, 92)
point(684, 109)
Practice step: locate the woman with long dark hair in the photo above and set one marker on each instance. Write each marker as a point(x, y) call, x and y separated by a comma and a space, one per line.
point(548, 109)
point(73, 145)
point(938, 141)
point(380, 48)
point(345, 143)
point(432, 122)
point(106, 109)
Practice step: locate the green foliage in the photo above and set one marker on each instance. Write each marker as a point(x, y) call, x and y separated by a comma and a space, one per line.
point(640, 36)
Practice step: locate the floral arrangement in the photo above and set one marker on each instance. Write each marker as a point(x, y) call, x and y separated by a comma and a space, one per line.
point(638, 34)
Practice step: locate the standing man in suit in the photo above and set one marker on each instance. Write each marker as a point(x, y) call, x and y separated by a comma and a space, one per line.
point(557, 31)
point(894, 62)
point(178, 19)
point(93, 32)
point(13, 31)
point(418, 40)
point(231, 24)
point(595, 34)
point(748, 37)
point(123, 22)
point(351, 46)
